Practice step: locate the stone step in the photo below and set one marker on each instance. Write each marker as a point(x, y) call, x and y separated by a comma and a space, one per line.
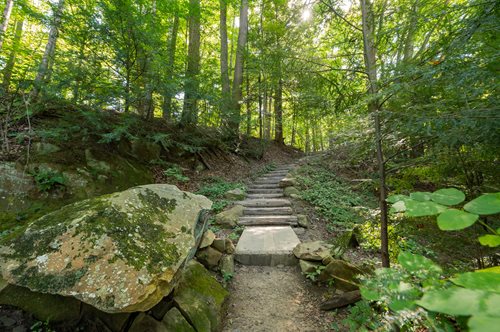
point(261, 223)
point(267, 246)
point(265, 191)
point(265, 202)
point(268, 211)
point(270, 219)
point(264, 196)
point(263, 186)
point(268, 180)
point(277, 173)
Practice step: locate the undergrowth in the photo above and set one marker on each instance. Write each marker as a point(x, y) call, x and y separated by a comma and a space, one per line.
point(215, 188)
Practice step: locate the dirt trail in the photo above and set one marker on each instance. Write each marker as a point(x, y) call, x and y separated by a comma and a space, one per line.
point(274, 299)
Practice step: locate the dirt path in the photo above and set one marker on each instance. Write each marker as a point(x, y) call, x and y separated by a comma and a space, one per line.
point(274, 299)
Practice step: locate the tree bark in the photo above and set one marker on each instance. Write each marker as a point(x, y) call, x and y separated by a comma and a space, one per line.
point(5, 20)
point(278, 113)
point(191, 84)
point(11, 62)
point(50, 49)
point(370, 59)
point(169, 90)
point(236, 98)
point(248, 103)
point(224, 61)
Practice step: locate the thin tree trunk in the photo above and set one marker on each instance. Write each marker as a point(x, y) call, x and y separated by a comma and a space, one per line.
point(248, 103)
point(11, 62)
point(260, 107)
point(234, 123)
point(373, 107)
point(410, 37)
point(50, 48)
point(169, 90)
point(308, 138)
point(191, 85)
point(278, 113)
point(5, 20)
point(294, 124)
point(265, 112)
point(224, 61)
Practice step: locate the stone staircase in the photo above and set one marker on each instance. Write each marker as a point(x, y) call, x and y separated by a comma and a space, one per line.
point(268, 238)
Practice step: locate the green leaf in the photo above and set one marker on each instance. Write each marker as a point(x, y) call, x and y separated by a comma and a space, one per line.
point(490, 240)
point(483, 323)
point(398, 305)
point(399, 206)
point(449, 196)
point(452, 220)
point(421, 196)
point(396, 198)
point(422, 209)
point(461, 301)
point(488, 281)
point(370, 294)
point(494, 269)
point(484, 204)
point(417, 263)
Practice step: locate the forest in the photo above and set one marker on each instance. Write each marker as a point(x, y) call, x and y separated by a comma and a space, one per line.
point(388, 107)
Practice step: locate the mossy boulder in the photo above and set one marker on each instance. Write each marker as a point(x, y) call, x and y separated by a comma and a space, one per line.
point(201, 298)
point(175, 322)
point(229, 218)
point(312, 251)
point(235, 194)
point(344, 275)
point(119, 252)
point(15, 186)
point(289, 191)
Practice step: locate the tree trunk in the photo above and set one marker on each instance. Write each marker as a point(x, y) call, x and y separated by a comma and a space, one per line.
point(410, 37)
point(191, 84)
point(248, 103)
point(267, 117)
point(50, 49)
point(224, 61)
point(261, 132)
point(370, 59)
point(234, 120)
point(278, 113)
point(5, 20)
point(169, 90)
point(11, 62)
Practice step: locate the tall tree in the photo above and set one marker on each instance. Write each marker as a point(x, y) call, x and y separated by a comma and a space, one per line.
point(5, 20)
point(9, 67)
point(50, 48)
point(169, 89)
point(192, 83)
point(224, 60)
point(235, 116)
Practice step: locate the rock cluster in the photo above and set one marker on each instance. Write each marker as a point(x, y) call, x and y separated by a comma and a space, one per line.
point(216, 254)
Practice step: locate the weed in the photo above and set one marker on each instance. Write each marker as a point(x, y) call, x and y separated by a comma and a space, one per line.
point(176, 173)
point(47, 179)
point(227, 276)
point(313, 275)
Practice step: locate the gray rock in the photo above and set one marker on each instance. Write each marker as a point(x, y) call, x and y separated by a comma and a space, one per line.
point(230, 248)
point(303, 221)
point(227, 265)
point(343, 273)
point(118, 252)
point(147, 323)
point(229, 218)
point(287, 182)
point(41, 148)
point(235, 195)
point(207, 239)
point(312, 251)
point(219, 244)
point(209, 257)
point(175, 322)
point(341, 300)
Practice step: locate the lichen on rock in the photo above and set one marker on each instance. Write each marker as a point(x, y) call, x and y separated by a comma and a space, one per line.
point(118, 252)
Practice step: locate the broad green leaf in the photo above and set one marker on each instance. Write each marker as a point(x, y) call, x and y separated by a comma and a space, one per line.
point(494, 269)
point(421, 196)
point(490, 240)
point(483, 323)
point(416, 263)
point(396, 198)
point(488, 281)
point(461, 301)
point(370, 294)
point(449, 196)
point(422, 209)
point(398, 305)
point(399, 206)
point(452, 220)
point(484, 204)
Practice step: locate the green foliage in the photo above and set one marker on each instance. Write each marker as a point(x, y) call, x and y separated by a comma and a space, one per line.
point(176, 173)
point(227, 276)
point(41, 327)
point(236, 233)
point(47, 179)
point(313, 275)
point(215, 188)
point(449, 218)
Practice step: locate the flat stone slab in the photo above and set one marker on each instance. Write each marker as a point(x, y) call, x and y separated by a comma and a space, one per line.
point(267, 246)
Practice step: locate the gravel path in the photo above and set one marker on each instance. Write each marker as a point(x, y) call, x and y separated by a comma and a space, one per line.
point(274, 299)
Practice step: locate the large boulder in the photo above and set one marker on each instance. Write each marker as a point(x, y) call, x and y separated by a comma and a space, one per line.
point(229, 218)
point(119, 252)
point(15, 185)
point(201, 298)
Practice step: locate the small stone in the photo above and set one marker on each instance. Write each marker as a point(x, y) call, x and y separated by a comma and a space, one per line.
point(175, 322)
point(307, 266)
point(294, 196)
point(145, 322)
point(207, 239)
point(230, 248)
point(290, 191)
point(303, 221)
point(345, 272)
point(235, 195)
point(287, 182)
point(327, 260)
point(227, 265)
point(299, 230)
point(230, 217)
point(312, 251)
point(219, 244)
point(209, 257)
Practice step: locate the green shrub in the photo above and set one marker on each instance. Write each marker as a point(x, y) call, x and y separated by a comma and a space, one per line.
point(47, 179)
